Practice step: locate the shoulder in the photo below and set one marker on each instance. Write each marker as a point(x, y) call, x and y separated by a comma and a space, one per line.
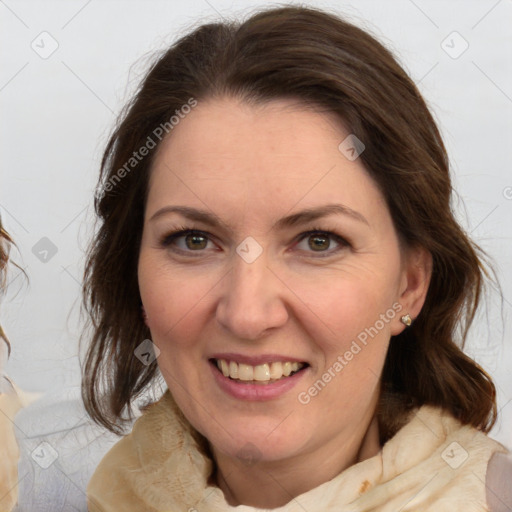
point(128, 464)
point(140, 470)
point(498, 482)
point(107, 480)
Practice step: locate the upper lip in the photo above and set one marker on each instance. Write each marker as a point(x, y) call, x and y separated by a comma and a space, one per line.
point(256, 360)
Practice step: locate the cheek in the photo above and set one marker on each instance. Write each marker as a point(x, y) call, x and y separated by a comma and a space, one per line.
point(350, 324)
point(339, 307)
point(173, 302)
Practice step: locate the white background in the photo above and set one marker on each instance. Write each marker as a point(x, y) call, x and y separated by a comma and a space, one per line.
point(58, 111)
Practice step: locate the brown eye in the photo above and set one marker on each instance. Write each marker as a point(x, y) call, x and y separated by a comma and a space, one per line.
point(319, 242)
point(195, 241)
point(324, 243)
point(187, 241)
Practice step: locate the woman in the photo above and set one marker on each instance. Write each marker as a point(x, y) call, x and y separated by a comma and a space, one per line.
point(277, 241)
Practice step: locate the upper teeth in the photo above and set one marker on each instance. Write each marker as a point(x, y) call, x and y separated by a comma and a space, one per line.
point(261, 372)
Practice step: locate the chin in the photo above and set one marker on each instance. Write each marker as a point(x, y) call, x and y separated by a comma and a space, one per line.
point(262, 442)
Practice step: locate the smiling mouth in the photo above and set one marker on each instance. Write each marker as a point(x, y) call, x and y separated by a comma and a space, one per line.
point(266, 373)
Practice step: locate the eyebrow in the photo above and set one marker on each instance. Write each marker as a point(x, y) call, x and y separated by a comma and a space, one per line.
point(295, 219)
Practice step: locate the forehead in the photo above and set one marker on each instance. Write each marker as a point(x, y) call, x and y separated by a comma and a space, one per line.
point(254, 136)
point(265, 158)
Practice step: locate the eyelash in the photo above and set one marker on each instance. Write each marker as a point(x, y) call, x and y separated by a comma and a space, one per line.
point(169, 238)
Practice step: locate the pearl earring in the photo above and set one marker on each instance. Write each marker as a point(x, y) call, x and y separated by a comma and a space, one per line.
point(406, 320)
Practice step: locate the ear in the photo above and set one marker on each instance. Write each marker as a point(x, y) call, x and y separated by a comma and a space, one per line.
point(414, 284)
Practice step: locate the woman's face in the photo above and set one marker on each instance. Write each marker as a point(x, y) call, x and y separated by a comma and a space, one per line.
point(293, 258)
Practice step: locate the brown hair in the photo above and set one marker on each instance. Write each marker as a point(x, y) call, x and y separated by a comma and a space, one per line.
point(5, 245)
point(319, 59)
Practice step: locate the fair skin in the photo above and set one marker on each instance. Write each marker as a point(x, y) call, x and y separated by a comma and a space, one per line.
point(305, 298)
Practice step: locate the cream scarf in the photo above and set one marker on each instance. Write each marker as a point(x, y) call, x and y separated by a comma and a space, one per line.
point(432, 464)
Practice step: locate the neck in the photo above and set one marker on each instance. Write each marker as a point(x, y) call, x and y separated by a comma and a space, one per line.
point(272, 484)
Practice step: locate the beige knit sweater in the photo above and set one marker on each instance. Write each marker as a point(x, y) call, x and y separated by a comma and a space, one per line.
point(432, 464)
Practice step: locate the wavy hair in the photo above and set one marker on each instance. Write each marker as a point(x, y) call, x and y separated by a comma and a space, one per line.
point(322, 60)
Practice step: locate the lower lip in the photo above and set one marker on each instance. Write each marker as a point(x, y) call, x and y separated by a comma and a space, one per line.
point(256, 392)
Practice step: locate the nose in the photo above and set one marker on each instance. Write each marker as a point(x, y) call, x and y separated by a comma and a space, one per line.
point(252, 299)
